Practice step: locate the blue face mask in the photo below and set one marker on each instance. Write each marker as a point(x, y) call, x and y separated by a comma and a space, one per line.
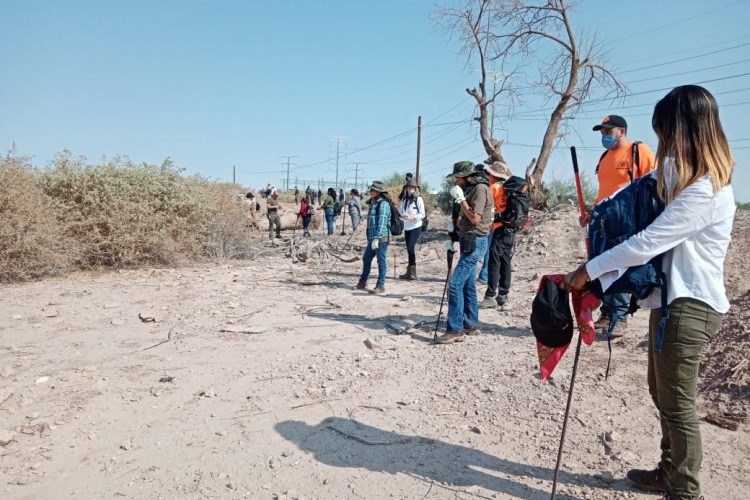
point(608, 141)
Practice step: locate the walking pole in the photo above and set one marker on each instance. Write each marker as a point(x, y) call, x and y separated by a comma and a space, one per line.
point(295, 226)
point(343, 223)
point(578, 345)
point(442, 298)
point(565, 420)
point(336, 260)
point(581, 204)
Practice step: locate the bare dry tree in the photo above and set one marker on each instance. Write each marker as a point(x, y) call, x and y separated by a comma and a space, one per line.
point(524, 34)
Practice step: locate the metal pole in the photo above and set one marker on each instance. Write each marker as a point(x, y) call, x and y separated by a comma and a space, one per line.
point(419, 143)
point(234, 174)
point(565, 420)
point(338, 140)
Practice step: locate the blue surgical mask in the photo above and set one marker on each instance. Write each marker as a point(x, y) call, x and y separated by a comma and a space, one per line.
point(609, 141)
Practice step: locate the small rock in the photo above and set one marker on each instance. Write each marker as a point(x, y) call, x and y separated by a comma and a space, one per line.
point(475, 430)
point(221, 433)
point(118, 322)
point(16, 317)
point(606, 477)
point(208, 393)
point(42, 380)
point(50, 313)
point(126, 445)
point(6, 437)
point(611, 436)
point(273, 463)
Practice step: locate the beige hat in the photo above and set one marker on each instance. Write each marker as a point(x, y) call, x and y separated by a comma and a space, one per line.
point(499, 170)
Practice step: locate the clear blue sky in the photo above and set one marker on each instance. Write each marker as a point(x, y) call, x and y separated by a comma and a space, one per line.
point(217, 84)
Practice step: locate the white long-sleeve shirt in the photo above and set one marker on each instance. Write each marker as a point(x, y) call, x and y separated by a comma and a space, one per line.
point(408, 207)
point(693, 232)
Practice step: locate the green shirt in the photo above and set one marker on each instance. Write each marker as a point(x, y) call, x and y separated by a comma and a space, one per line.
point(328, 202)
point(272, 205)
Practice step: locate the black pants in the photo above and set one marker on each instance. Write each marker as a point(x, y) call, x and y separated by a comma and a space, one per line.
point(501, 252)
point(411, 238)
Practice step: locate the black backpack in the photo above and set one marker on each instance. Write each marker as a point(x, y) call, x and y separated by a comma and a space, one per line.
point(516, 213)
point(396, 224)
point(551, 319)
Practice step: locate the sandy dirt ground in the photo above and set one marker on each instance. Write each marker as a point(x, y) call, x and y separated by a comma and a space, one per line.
point(272, 379)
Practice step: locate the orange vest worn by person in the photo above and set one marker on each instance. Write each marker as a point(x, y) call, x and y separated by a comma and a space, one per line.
point(498, 196)
point(615, 166)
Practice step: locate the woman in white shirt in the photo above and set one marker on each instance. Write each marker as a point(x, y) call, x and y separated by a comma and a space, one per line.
point(412, 212)
point(693, 233)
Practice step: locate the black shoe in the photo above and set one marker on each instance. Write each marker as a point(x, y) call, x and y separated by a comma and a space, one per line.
point(649, 480)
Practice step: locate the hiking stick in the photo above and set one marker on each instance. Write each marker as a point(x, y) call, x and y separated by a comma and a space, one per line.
point(442, 298)
point(294, 230)
point(581, 204)
point(343, 223)
point(565, 420)
point(338, 258)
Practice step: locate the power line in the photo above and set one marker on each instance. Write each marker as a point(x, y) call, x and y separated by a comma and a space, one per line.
point(683, 59)
point(689, 72)
point(678, 21)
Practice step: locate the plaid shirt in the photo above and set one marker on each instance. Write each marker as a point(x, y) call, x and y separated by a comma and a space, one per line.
point(377, 223)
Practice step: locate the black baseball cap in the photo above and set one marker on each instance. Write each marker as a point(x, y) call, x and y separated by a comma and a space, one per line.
point(612, 121)
point(551, 319)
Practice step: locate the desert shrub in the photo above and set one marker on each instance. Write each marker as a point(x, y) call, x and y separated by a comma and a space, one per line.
point(743, 206)
point(560, 191)
point(395, 182)
point(31, 241)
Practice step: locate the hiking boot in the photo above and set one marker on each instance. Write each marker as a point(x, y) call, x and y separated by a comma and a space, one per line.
point(649, 480)
point(472, 330)
point(618, 331)
point(488, 303)
point(361, 285)
point(378, 290)
point(411, 273)
point(450, 338)
point(602, 323)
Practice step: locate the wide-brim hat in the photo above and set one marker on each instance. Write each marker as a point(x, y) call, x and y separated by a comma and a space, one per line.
point(378, 186)
point(462, 169)
point(412, 183)
point(611, 121)
point(498, 170)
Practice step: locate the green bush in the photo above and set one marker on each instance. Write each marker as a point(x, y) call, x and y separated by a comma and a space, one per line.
point(564, 191)
point(743, 206)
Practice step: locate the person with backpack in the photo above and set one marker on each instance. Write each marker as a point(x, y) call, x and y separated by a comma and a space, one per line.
point(378, 237)
point(503, 232)
point(692, 235)
point(306, 211)
point(329, 208)
point(412, 212)
point(623, 161)
point(472, 196)
point(354, 208)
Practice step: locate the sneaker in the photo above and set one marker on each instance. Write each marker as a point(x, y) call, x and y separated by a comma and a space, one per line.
point(378, 291)
point(450, 338)
point(361, 285)
point(649, 480)
point(503, 303)
point(472, 330)
point(488, 303)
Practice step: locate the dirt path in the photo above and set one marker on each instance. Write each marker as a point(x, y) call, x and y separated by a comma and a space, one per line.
point(250, 383)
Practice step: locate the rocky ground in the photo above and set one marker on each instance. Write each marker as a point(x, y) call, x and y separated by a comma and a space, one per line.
point(273, 379)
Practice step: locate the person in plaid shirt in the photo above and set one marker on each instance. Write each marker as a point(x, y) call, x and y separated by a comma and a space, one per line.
point(378, 237)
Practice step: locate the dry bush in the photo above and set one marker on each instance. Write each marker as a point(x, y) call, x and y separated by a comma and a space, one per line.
point(31, 241)
point(126, 214)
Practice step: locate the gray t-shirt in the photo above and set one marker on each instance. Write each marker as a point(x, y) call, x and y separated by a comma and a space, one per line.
point(480, 201)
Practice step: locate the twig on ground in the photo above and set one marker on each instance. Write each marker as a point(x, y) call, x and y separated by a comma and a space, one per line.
point(169, 337)
point(367, 441)
point(315, 403)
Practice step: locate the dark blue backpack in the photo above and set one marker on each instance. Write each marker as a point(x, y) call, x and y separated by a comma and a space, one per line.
point(613, 221)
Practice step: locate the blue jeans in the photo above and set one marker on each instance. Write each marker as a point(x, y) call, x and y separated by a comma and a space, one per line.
point(616, 305)
point(355, 221)
point(382, 253)
point(463, 309)
point(329, 220)
point(483, 273)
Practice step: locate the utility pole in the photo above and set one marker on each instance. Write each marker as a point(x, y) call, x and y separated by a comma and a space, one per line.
point(234, 174)
point(356, 173)
point(338, 155)
point(419, 143)
point(288, 163)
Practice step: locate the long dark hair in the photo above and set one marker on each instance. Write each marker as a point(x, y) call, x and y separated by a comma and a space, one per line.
point(686, 121)
point(332, 193)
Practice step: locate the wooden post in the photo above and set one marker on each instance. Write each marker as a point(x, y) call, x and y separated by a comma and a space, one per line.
point(419, 144)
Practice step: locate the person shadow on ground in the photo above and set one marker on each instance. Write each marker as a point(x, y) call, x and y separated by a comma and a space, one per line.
point(342, 442)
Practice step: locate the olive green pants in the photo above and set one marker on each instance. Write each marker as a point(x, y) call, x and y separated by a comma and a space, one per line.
point(672, 380)
point(274, 220)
